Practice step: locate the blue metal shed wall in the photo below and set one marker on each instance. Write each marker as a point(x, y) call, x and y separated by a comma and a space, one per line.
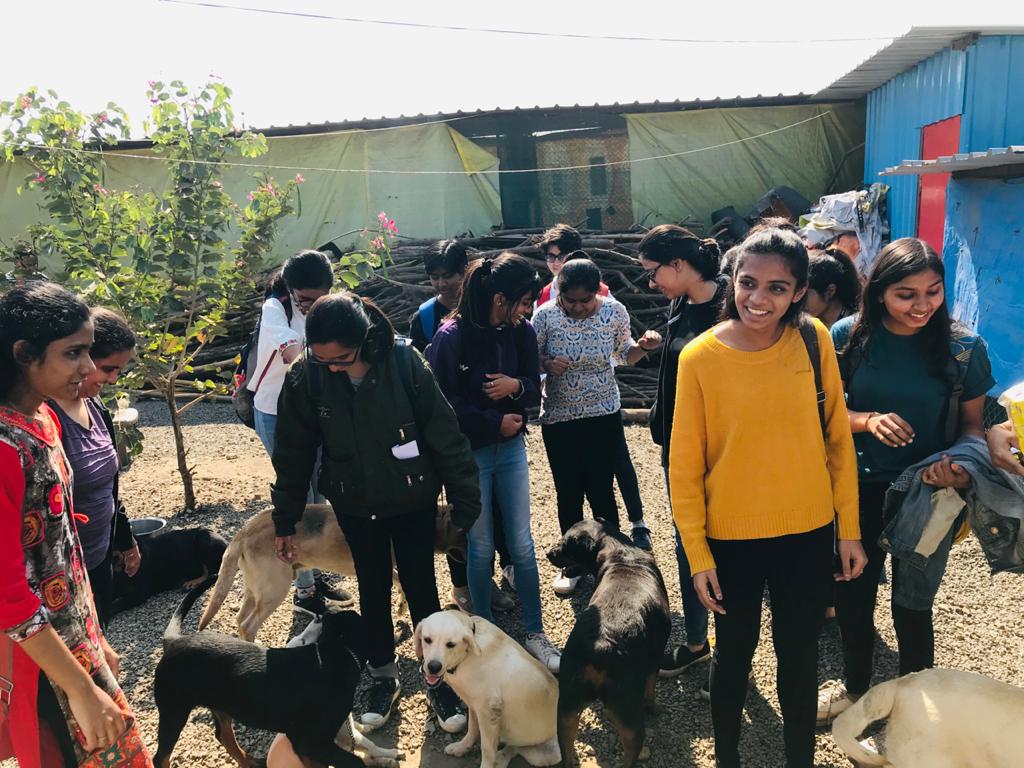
point(931, 91)
point(983, 250)
point(995, 79)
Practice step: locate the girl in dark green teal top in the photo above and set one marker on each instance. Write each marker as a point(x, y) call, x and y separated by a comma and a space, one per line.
point(901, 358)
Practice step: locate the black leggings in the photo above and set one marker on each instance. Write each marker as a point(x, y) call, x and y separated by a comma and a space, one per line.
point(629, 486)
point(797, 571)
point(582, 454)
point(411, 535)
point(101, 579)
point(855, 606)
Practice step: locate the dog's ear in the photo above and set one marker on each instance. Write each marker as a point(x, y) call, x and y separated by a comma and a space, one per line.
point(417, 640)
point(470, 638)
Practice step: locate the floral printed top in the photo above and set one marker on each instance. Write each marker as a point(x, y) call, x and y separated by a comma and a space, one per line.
point(594, 345)
point(43, 582)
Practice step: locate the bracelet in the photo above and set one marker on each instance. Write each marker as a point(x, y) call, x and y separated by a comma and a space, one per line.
point(522, 389)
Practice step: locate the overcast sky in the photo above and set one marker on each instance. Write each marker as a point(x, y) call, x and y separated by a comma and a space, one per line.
point(296, 70)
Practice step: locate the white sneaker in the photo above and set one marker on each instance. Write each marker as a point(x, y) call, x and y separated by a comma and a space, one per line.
point(540, 647)
point(565, 585)
point(833, 700)
point(510, 576)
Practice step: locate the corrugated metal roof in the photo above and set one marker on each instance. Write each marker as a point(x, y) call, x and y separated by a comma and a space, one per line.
point(902, 54)
point(968, 161)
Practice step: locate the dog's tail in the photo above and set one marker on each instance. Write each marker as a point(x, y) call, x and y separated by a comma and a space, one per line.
point(225, 578)
point(174, 625)
point(876, 704)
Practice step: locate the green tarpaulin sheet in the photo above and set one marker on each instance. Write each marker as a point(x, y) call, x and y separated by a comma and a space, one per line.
point(422, 205)
point(804, 157)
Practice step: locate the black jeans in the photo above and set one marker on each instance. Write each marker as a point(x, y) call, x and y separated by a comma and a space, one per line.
point(458, 570)
point(582, 455)
point(629, 486)
point(101, 579)
point(797, 570)
point(412, 536)
point(856, 600)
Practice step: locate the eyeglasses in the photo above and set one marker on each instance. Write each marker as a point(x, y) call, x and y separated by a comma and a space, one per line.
point(302, 301)
point(650, 274)
point(336, 362)
point(548, 256)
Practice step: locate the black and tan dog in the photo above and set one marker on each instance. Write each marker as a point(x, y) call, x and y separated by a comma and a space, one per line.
point(305, 693)
point(614, 650)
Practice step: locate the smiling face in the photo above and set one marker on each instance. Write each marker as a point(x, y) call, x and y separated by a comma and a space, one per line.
point(63, 368)
point(505, 312)
point(911, 303)
point(443, 640)
point(108, 369)
point(765, 289)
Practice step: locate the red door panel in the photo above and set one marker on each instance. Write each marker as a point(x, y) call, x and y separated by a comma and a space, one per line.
point(937, 140)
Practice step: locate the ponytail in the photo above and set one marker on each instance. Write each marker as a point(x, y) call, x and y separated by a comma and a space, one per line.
point(509, 275)
point(667, 242)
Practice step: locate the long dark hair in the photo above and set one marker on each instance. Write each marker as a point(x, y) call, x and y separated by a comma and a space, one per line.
point(835, 267)
point(787, 246)
point(509, 275)
point(351, 321)
point(38, 313)
point(579, 273)
point(897, 261)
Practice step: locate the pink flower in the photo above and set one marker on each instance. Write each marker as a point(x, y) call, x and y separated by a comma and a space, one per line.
point(40, 178)
point(377, 243)
point(102, 117)
point(251, 198)
point(392, 227)
point(382, 217)
point(152, 83)
point(26, 102)
point(299, 178)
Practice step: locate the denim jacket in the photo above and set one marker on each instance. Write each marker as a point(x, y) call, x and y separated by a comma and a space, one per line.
point(923, 521)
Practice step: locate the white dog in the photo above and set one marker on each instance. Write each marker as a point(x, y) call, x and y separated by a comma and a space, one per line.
point(512, 697)
point(939, 718)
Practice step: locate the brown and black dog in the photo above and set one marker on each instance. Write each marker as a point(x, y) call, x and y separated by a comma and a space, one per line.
point(614, 650)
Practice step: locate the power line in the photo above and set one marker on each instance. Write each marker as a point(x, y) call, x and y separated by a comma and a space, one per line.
point(389, 172)
point(520, 32)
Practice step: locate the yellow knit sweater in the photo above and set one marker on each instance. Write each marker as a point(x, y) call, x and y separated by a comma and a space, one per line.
point(747, 459)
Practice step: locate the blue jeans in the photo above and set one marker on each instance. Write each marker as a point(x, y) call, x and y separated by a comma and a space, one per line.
point(265, 423)
point(504, 473)
point(695, 615)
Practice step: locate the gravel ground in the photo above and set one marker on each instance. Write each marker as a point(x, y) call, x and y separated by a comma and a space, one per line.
point(977, 617)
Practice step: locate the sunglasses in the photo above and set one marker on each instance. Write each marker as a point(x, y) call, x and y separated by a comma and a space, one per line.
point(337, 362)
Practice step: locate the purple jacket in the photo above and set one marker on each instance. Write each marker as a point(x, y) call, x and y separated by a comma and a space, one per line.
point(460, 372)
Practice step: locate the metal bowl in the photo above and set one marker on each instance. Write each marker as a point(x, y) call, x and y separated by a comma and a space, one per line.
point(146, 526)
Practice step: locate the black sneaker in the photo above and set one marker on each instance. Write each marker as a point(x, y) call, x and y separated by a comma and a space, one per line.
point(642, 537)
point(450, 711)
point(380, 702)
point(330, 592)
point(676, 660)
point(313, 604)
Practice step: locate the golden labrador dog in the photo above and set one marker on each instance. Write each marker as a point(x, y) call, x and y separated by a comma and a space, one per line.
point(939, 718)
point(319, 543)
point(511, 697)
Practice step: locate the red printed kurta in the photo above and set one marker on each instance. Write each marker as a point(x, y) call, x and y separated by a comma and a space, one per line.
point(43, 582)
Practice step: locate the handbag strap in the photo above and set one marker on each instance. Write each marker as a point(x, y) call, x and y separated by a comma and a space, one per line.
point(6, 674)
point(264, 373)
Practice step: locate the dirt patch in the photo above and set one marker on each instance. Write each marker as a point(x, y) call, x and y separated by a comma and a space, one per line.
point(977, 618)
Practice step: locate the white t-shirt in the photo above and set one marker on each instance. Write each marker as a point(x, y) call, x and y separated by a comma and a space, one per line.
point(276, 335)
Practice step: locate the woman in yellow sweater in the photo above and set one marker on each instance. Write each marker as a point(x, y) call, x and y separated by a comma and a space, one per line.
point(759, 494)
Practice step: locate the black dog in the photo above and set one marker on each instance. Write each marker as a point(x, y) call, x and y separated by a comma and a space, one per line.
point(171, 560)
point(305, 693)
point(614, 650)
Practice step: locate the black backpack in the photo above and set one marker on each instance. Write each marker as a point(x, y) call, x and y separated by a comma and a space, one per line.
point(241, 396)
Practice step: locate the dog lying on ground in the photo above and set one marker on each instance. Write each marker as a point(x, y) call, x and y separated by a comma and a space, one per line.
point(510, 695)
point(319, 543)
point(939, 718)
point(170, 560)
point(305, 693)
point(615, 648)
